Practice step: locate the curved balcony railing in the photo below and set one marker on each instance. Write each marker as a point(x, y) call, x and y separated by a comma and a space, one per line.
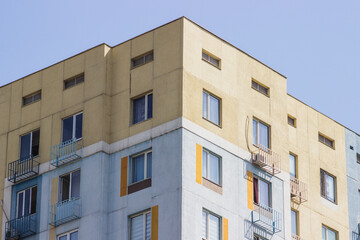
point(65, 211)
point(22, 169)
point(298, 190)
point(65, 152)
point(21, 227)
point(268, 160)
point(266, 217)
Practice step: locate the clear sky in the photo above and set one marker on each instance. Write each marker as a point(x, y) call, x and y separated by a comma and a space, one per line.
point(316, 44)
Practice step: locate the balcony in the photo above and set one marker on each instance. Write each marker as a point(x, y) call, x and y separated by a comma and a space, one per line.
point(21, 227)
point(298, 190)
point(22, 169)
point(65, 152)
point(355, 236)
point(268, 160)
point(266, 217)
point(65, 211)
point(296, 237)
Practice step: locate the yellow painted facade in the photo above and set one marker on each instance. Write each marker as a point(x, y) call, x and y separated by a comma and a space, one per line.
point(177, 77)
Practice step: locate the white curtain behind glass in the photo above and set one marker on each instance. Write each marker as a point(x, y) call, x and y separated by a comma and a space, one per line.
point(214, 110)
point(137, 227)
point(330, 190)
point(214, 169)
point(263, 135)
point(214, 225)
point(204, 225)
point(264, 193)
point(148, 226)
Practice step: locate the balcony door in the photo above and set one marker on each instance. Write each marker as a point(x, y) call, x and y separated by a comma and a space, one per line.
point(26, 202)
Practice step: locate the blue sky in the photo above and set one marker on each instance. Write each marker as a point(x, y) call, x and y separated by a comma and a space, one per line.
point(316, 44)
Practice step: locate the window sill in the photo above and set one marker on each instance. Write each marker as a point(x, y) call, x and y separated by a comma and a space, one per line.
point(31, 103)
point(219, 126)
point(333, 148)
point(211, 185)
point(329, 200)
point(134, 187)
point(133, 124)
point(219, 68)
point(266, 95)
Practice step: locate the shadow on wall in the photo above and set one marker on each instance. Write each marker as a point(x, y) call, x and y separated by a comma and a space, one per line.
point(253, 229)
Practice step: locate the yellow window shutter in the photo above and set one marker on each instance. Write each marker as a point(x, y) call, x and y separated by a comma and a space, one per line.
point(199, 163)
point(225, 229)
point(154, 222)
point(123, 177)
point(250, 191)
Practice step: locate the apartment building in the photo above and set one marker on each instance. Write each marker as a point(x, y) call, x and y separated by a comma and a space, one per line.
point(172, 134)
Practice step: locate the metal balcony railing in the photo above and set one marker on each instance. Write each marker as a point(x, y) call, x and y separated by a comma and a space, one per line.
point(298, 190)
point(296, 237)
point(355, 236)
point(22, 169)
point(268, 160)
point(266, 217)
point(21, 227)
point(65, 211)
point(65, 152)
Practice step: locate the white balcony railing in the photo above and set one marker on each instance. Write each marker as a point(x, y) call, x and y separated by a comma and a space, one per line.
point(268, 160)
point(298, 190)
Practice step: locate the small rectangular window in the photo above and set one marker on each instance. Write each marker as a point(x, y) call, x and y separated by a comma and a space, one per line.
point(29, 145)
point(140, 226)
point(211, 164)
point(210, 226)
point(211, 59)
point(328, 234)
point(259, 87)
point(211, 108)
point(291, 121)
point(73, 235)
point(293, 165)
point(26, 202)
point(72, 127)
point(142, 108)
point(69, 186)
point(358, 157)
point(261, 192)
point(74, 81)
point(143, 59)
point(32, 98)
point(328, 186)
point(141, 167)
point(294, 223)
point(325, 140)
point(261, 133)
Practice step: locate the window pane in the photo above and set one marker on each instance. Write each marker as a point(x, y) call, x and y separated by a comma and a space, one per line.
point(214, 110)
point(256, 191)
point(264, 135)
point(150, 106)
point(137, 226)
point(67, 129)
point(292, 165)
point(33, 200)
point(27, 203)
point(148, 226)
point(149, 57)
point(264, 193)
point(205, 56)
point(204, 225)
point(74, 236)
point(25, 146)
point(330, 187)
point(323, 233)
point(35, 143)
point(204, 164)
point(138, 168)
point(331, 235)
point(75, 184)
point(20, 204)
point(214, 225)
point(80, 79)
point(139, 110)
point(63, 238)
point(138, 61)
point(149, 165)
point(78, 126)
point(69, 83)
point(255, 140)
point(214, 169)
point(294, 222)
point(65, 187)
point(205, 105)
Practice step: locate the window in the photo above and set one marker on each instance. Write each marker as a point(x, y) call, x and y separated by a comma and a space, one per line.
point(210, 226)
point(72, 127)
point(29, 145)
point(294, 223)
point(140, 226)
point(358, 157)
point(327, 186)
point(291, 121)
point(32, 98)
point(74, 81)
point(74, 235)
point(328, 234)
point(259, 87)
point(143, 108)
point(141, 60)
point(293, 165)
point(211, 59)
point(26, 202)
point(141, 166)
point(261, 192)
point(211, 165)
point(261, 133)
point(326, 141)
point(69, 186)
point(211, 108)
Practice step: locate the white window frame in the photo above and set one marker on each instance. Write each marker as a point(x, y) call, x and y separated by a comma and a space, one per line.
point(31, 137)
point(296, 164)
point(329, 229)
point(145, 166)
point(67, 234)
point(23, 206)
point(143, 56)
point(208, 223)
point(297, 222)
point(146, 107)
point(32, 97)
point(144, 213)
point(324, 186)
point(258, 132)
point(259, 192)
point(74, 126)
point(208, 166)
point(323, 139)
point(61, 187)
point(75, 79)
point(208, 108)
point(257, 87)
point(209, 57)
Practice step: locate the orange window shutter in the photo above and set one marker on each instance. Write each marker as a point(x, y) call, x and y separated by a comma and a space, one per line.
point(123, 177)
point(199, 163)
point(154, 222)
point(225, 229)
point(250, 191)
